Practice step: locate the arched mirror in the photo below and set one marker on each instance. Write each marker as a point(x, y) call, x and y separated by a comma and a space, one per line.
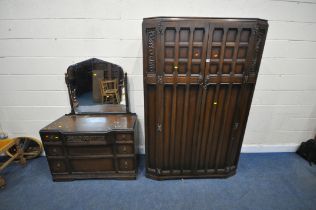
point(97, 86)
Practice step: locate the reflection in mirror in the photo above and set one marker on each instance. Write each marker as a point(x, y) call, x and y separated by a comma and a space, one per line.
point(97, 86)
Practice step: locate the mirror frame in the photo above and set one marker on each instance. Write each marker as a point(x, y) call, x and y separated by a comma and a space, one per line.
point(70, 82)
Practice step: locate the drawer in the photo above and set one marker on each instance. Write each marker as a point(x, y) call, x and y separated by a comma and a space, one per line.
point(96, 139)
point(125, 149)
point(92, 165)
point(57, 166)
point(124, 137)
point(54, 150)
point(90, 150)
point(126, 164)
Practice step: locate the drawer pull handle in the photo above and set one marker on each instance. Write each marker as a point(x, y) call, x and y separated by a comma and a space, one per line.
point(58, 165)
point(125, 164)
point(124, 149)
point(54, 150)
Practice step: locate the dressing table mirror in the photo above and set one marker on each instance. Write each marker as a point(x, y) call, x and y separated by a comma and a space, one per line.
point(96, 140)
point(97, 86)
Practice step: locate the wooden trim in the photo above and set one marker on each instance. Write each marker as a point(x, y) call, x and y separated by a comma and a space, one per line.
point(194, 79)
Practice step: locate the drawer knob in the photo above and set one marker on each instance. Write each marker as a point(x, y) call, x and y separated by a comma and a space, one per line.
point(58, 165)
point(54, 150)
point(124, 149)
point(125, 164)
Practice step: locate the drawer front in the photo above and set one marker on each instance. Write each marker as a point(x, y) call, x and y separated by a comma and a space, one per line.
point(92, 165)
point(124, 137)
point(89, 139)
point(57, 166)
point(126, 164)
point(125, 149)
point(54, 150)
point(90, 150)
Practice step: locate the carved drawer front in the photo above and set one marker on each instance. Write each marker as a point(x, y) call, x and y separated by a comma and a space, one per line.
point(90, 150)
point(54, 150)
point(52, 137)
point(126, 164)
point(124, 137)
point(88, 139)
point(125, 149)
point(57, 166)
point(92, 165)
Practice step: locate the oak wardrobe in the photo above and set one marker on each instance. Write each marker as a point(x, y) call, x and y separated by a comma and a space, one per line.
point(199, 79)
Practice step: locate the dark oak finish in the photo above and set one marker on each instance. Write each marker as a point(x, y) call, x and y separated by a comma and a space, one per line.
point(93, 141)
point(199, 78)
point(91, 146)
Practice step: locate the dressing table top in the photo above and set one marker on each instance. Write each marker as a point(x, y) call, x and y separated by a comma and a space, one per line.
point(93, 123)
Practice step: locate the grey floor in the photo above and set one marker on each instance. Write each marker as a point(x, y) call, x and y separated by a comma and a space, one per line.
point(264, 181)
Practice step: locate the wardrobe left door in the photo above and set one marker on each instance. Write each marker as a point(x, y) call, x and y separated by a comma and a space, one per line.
point(174, 63)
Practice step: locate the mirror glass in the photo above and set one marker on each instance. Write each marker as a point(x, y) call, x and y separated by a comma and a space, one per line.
point(97, 86)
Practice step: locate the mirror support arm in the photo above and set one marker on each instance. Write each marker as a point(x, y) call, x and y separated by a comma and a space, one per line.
point(70, 94)
point(126, 93)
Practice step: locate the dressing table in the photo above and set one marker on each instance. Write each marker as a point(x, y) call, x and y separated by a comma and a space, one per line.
point(97, 139)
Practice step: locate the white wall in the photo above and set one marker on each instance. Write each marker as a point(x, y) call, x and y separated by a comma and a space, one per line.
point(39, 39)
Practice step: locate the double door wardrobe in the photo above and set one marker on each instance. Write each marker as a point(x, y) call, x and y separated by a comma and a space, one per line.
point(199, 79)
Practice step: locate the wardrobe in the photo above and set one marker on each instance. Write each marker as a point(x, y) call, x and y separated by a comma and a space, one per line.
point(199, 79)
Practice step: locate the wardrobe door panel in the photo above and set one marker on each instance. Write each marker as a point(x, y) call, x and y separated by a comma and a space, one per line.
point(184, 50)
point(151, 125)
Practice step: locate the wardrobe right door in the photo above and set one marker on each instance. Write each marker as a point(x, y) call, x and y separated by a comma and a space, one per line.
point(229, 82)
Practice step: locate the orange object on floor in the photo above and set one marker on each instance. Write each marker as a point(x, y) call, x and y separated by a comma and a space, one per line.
point(5, 145)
